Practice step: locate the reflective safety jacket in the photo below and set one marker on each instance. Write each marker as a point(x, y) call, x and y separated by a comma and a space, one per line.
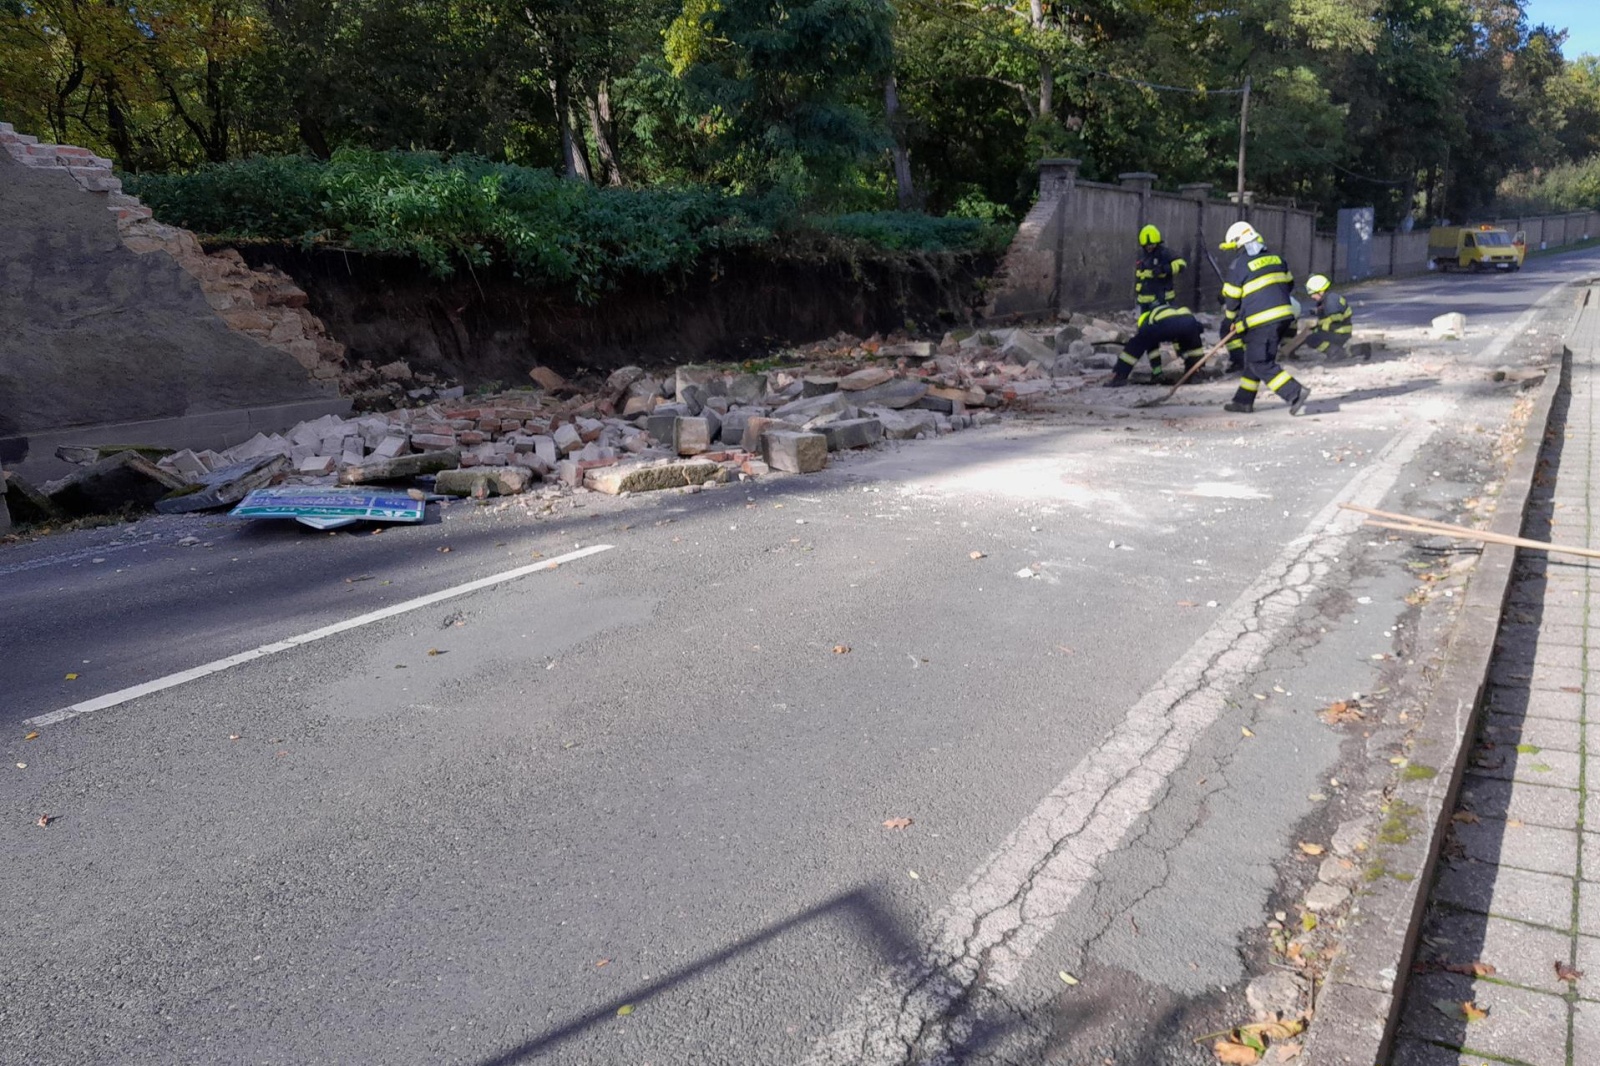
point(1334, 314)
point(1160, 313)
point(1257, 292)
point(1153, 276)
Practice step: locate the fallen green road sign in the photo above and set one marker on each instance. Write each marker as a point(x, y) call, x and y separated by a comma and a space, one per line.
point(330, 508)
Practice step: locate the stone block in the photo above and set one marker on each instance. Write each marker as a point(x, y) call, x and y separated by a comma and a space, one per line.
point(818, 385)
point(1022, 348)
point(391, 448)
point(483, 481)
point(661, 427)
point(226, 485)
point(733, 424)
point(897, 394)
point(713, 422)
point(546, 378)
point(865, 378)
point(433, 442)
point(807, 408)
point(567, 439)
point(185, 463)
point(905, 425)
point(755, 426)
point(708, 379)
point(1448, 327)
point(794, 453)
point(316, 465)
point(621, 379)
point(852, 433)
point(25, 502)
point(401, 467)
point(691, 436)
point(654, 477)
point(747, 388)
point(124, 479)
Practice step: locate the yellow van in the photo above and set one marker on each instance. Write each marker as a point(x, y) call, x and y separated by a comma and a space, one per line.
point(1473, 248)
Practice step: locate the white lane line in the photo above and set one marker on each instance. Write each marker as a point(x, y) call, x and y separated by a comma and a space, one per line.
point(923, 1009)
point(112, 699)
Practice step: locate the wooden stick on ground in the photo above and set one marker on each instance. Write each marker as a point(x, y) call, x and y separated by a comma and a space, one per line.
point(1408, 524)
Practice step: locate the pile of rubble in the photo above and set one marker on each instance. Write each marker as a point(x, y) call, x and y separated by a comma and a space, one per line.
point(633, 432)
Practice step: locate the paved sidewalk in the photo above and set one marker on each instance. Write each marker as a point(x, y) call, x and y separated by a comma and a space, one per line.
point(1518, 889)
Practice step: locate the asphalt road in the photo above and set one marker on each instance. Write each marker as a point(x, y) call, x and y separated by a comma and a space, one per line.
point(479, 832)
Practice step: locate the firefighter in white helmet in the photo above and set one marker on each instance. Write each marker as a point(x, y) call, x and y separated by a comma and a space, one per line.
point(1256, 302)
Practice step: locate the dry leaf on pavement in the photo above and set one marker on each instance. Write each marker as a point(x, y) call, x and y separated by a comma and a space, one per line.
point(1245, 730)
point(1565, 972)
point(1066, 977)
point(625, 1010)
point(1340, 711)
point(1312, 849)
point(977, 555)
point(1465, 818)
point(602, 963)
point(1472, 1012)
point(1285, 1052)
point(31, 736)
point(1231, 1054)
point(44, 820)
point(1469, 969)
point(897, 823)
point(841, 649)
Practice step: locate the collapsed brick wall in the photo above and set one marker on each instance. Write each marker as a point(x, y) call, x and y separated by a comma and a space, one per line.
point(263, 303)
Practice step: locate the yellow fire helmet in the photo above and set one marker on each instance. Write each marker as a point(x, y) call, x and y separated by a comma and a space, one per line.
point(1316, 284)
point(1148, 236)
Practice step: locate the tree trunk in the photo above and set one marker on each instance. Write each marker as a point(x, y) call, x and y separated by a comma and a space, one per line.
point(576, 166)
point(117, 133)
point(599, 108)
point(1047, 74)
point(311, 133)
point(905, 192)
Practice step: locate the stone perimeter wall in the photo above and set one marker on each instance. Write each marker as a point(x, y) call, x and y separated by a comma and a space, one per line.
point(262, 303)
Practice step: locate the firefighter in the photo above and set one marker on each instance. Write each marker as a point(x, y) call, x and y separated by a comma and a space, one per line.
point(1155, 274)
point(1256, 300)
point(1334, 325)
point(1162, 324)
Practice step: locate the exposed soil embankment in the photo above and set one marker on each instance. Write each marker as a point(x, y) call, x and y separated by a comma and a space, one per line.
point(492, 326)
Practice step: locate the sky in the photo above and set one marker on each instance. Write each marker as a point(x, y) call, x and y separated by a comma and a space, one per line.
point(1579, 18)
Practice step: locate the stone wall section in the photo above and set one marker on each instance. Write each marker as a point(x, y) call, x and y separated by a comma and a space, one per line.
point(263, 303)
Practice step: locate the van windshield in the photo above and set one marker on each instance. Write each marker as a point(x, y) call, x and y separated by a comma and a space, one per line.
point(1494, 238)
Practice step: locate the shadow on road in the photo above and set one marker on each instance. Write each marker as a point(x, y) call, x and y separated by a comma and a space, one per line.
point(875, 923)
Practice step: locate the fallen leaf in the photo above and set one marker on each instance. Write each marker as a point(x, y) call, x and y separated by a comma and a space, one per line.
point(1312, 849)
point(1295, 952)
point(1472, 1012)
point(233, 736)
point(444, 548)
point(897, 823)
point(602, 963)
point(1067, 977)
point(418, 494)
point(977, 555)
point(1564, 972)
point(914, 875)
point(625, 1010)
point(1246, 731)
point(435, 651)
point(1187, 603)
point(1470, 969)
point(1231, 1054)
point(1514, 823)
point(1464, 817)
point(31, 736)
point(72, 677)
point(1528, 749)
point(841, 649)
point(1308, 921)
point(45, 819)
point(1285, 1052)
point(1340, 711)
point(22, 766)
point(1571, 688)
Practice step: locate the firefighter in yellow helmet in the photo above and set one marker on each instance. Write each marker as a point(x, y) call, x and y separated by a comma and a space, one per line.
point(1155, 274)
point(1256, 301)
point(1334, 317)
point(1162, 324)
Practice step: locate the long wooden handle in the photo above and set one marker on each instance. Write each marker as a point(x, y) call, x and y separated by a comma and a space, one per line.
point(1408, 524)
point(1187, 374)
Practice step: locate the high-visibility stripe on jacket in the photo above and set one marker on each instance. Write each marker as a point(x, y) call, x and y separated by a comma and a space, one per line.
point(1161, 312)
point(1334, 314)
point(1257, 291)
point(1153, 276)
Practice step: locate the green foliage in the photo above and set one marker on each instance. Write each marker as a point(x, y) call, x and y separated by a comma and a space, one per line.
point(1569, 187)
point(468, 211)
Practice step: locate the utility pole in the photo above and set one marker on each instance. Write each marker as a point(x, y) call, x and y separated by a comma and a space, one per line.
point(1244, 125)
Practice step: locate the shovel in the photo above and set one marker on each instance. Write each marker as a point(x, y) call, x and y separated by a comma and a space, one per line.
point(1187, 374)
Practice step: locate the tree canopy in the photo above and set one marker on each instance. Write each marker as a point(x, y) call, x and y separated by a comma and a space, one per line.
point(1422, 106)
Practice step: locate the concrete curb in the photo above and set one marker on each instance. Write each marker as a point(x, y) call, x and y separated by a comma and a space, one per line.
point(1358, 1006)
